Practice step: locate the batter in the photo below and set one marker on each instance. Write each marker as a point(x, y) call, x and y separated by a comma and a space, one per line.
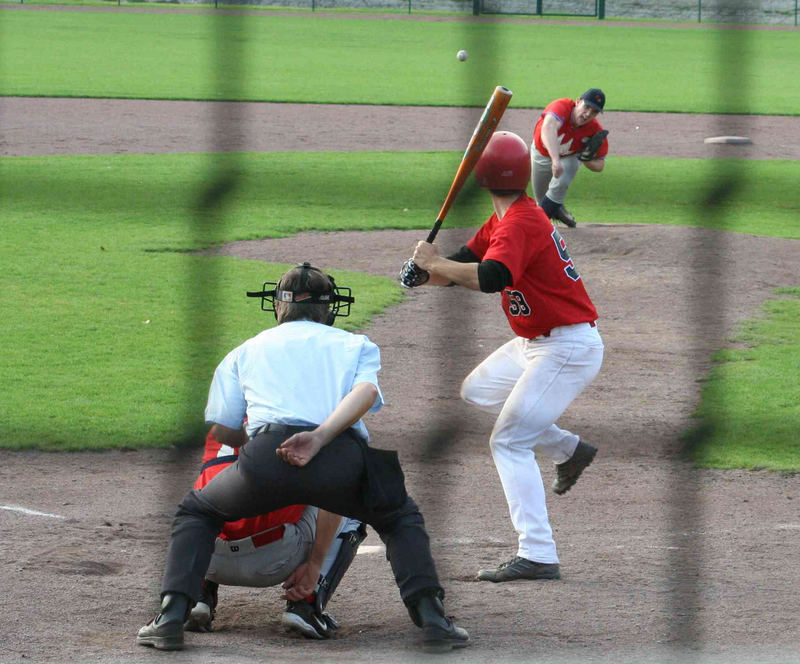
point(532, 379)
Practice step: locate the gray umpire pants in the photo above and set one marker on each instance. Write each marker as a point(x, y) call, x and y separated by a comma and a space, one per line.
point(260, 481)
point(544, 184)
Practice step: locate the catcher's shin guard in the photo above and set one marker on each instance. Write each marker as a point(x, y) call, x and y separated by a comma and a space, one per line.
point(347, 551)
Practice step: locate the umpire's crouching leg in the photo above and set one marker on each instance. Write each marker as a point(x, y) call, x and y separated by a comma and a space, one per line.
point(194, 531)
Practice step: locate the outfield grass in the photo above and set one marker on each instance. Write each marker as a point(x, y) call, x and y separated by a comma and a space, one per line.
point(351, 60)
point(102, 300)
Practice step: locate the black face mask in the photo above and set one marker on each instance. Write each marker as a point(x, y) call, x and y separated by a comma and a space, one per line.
point(338, 298)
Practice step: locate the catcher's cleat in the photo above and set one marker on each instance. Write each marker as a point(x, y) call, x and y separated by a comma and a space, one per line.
point(519, 569)
point(300, 617)
point(200, 618)
point(202, 614)
point(567, 473)
point(564, 216)
point(161, 634)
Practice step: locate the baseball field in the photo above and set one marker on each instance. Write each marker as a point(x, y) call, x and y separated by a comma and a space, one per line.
point(157, 163)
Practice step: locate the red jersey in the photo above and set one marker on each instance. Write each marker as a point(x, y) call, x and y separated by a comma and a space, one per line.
point(217, 457)
point(571, 138)
point(546, 290)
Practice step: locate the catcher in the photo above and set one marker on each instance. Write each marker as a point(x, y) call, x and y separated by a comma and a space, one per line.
point(276, 548)
point(566, 135)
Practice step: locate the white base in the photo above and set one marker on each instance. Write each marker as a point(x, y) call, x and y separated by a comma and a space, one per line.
point(729, 140)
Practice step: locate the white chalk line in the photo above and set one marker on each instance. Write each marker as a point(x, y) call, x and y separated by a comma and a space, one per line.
point(25, 510)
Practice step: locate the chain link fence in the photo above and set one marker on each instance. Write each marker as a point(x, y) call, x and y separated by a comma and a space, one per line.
point(773, 12)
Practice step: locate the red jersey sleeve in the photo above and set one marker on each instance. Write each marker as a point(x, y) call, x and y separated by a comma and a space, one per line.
point(479, 243)
point(562, 110)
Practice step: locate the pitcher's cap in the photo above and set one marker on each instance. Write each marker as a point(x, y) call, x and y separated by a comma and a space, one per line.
point(595, 97)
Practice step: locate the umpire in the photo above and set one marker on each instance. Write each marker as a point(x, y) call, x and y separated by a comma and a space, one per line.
point(303, 386)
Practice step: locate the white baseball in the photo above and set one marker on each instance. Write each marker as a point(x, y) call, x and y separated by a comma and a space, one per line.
point(462, 55)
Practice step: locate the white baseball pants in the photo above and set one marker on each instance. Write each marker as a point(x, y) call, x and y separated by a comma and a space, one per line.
point(529, 383)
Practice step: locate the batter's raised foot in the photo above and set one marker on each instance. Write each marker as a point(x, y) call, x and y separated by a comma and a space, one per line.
point(519, 569)
point(567, 473)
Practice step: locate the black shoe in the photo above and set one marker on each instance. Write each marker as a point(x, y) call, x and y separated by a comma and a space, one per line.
point(437, 638)
point(166, 635)
point(518, 569)
point(565, 217)
point(567, 473)
point(439, 634)
point(300, 617)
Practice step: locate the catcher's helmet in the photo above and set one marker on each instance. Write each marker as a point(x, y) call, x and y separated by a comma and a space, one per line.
point(505, 164)
point(326, 292)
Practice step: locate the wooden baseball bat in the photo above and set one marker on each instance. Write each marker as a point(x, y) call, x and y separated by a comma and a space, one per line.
point(480, 137)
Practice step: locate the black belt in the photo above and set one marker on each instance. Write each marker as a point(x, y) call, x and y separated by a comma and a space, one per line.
point(283, 428)
point(230, 458)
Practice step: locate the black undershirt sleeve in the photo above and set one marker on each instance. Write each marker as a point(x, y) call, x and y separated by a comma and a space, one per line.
point(493, 276)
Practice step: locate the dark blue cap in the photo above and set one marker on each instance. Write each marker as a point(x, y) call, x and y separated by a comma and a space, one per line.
point(595, 98)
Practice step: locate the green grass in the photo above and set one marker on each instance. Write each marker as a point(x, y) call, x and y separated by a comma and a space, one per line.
point(749, 416)
point(351, 60)
point(95, 246)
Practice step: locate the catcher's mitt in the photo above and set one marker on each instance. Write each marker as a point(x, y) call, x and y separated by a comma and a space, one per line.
point(412, 276)
point(593, 145)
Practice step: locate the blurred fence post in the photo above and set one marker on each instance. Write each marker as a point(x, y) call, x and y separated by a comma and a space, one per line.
point(699, 11)
point(601, 9)
point(538, 7)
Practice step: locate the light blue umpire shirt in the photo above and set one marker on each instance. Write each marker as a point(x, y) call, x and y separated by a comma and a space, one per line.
point(294, 373)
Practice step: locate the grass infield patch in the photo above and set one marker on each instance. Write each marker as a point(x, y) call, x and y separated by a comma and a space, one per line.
point(749, 415)
point(113, 328)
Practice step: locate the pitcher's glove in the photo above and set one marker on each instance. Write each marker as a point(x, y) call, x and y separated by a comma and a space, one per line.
point(412, 276)
point(593, 145)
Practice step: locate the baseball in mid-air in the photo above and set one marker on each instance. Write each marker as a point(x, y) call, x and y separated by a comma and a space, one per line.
point(462, 55)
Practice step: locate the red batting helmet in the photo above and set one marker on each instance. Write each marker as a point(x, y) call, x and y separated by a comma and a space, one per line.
point(505, 164)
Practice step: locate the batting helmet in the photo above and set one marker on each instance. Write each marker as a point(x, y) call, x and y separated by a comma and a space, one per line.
point(505, 164)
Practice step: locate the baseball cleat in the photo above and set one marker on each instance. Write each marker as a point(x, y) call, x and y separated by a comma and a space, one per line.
point(567, 473)
point(563, 215)
point(300, 617)
point(167, 635)
point(200, 618)
point(519, 569)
